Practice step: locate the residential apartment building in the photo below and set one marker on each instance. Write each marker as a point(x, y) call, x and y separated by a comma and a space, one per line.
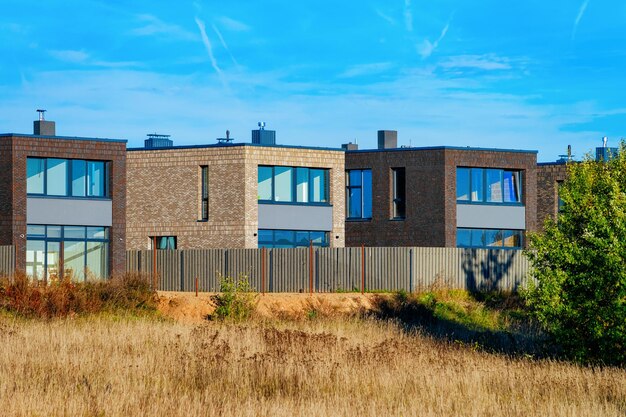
point(439, 196)
point(63, 203)
point(234, 195)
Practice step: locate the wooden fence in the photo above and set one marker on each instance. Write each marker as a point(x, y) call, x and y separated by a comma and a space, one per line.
point(336, 269)
point(7, 260)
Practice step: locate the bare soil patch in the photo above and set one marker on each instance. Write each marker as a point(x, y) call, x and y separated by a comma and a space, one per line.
point(185, 307)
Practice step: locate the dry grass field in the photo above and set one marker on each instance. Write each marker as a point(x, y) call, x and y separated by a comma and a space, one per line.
point(112, 366)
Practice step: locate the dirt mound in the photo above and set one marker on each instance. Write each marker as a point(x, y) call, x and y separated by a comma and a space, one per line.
point(187, 308)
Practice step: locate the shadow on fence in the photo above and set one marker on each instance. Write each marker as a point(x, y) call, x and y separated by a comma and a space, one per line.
point(335, 269)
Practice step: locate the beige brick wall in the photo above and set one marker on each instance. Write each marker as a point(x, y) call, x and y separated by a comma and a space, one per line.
point(164, 193)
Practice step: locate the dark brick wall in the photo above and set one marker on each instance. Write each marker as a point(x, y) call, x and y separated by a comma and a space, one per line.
point(548, 175)
point(431, 193)
point(22, 147)
point(6, 191)
point(424, 224)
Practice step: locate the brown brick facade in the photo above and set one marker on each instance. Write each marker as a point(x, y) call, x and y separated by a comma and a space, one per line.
point(430, 193)
point(14, 151)
point(548, 177)
point(164, 193)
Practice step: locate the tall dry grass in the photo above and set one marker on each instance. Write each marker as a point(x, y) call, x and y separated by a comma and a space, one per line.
point(101, 367)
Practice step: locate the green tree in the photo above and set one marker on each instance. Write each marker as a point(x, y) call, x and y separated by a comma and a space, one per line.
point(579, 262)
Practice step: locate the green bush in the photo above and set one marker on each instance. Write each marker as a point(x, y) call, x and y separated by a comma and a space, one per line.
point(579, 263)
point(236, 300)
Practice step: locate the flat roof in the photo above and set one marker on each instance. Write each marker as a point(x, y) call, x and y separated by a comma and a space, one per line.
point(233, 145)
point(22, 135)
point(439, 148)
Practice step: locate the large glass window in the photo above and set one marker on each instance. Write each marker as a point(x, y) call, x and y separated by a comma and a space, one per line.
point(359, 193)
point(77, 252)
point(293, 184)
point(489, 238)
point(399, 193)
point(291, 238)
point(477, 185)
point(66, 177)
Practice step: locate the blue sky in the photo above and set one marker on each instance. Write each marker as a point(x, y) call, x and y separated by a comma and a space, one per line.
point(525, 75)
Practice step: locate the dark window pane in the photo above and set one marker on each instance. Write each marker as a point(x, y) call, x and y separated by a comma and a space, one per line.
point(463, 238)
point(512, 238)
point(302, 238)
point(354, 177)
point(35, 175)
point(284, 238)
point(478, 238)
point(399, 193)
point(266, 181)
point(354, 203)
point(367, 194)
point(79, 178)
point(494, 185)
point(283, 178)
point(462, 184)
point(73, 232)
point(512, 186)
point(477, 184)
point(266, 236)
point(302, 185)
point(35, 231)
point(493, 238)
point(95, 178)
point(319, 238)
point(56, 179)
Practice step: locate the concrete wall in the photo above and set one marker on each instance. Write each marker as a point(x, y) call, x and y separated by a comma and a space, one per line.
point(164, 193)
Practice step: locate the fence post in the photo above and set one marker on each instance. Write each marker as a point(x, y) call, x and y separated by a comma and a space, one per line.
point(263, 270)
point(154, 263)
point(362, 269)
point(196, 286)
point(310, 267)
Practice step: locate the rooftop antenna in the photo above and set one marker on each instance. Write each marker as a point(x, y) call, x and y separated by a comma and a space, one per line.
point(261, 125)
point(227, 139)
point(41, 114)
point(604, 141)
point(569, 152)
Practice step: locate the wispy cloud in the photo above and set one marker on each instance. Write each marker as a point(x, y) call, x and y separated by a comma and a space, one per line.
point(366, 69)
point(69, 55)
point(81, 57)
point(223, 42)
point(581, 12)
point(234, 25)
point(153, 26)
point(209, 49)
point(385, 17)
point(408, 16)
point(426, 48)
point(487, 62)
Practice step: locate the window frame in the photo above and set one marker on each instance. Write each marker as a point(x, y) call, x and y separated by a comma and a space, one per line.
point(360, 186)
point(61, 239)
point(271, 244)
point(483, 186)
point(204, 193)
point(395, 199)
point(294, 186)
point(484, 232)
point(69, 178)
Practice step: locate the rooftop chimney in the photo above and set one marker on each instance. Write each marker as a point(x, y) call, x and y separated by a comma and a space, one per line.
point(158, 141)
point(262, 136)
point(350, 146)
point(43, 127)
point(387, 139)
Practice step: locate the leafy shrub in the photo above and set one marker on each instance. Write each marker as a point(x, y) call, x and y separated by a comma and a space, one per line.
point(579, 262)
point(61, 298)
point(236, 299)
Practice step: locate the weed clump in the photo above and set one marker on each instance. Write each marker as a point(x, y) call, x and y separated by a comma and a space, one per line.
point(65, 297)
point(236, 300)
